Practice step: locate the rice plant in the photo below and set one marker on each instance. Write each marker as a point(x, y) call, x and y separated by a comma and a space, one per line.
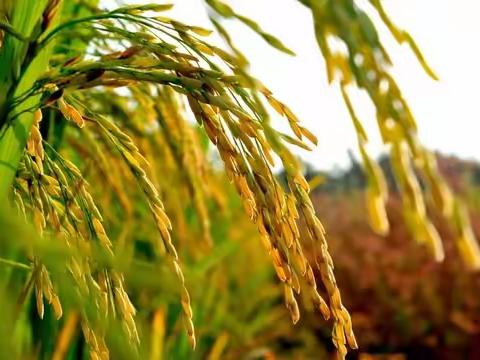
point(122, 132)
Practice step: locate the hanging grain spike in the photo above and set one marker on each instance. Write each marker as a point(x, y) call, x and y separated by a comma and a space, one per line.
point(401, 36)
point(441, 194)
point(70, 113)
point(291, 303)
point(132, 156)
point(377, 192)
point(466, 242)
point(415, 212)
point(226, 11)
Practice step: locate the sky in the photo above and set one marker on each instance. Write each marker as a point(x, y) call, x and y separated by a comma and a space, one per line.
point(447, 111)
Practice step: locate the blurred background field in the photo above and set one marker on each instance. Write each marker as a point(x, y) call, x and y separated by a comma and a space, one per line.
point(404, 305)
point(401, 300)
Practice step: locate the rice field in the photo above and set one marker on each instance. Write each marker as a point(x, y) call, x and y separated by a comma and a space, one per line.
point(143, 215)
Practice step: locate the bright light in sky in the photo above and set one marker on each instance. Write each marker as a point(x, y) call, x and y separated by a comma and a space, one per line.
point(447, 111)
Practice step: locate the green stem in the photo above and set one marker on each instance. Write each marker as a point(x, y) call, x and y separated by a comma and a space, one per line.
point(14, 264)
point(10, 30)
point(72, 23)
point(17, 120)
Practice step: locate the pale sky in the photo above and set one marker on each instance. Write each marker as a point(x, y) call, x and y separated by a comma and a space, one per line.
point(447, 111)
